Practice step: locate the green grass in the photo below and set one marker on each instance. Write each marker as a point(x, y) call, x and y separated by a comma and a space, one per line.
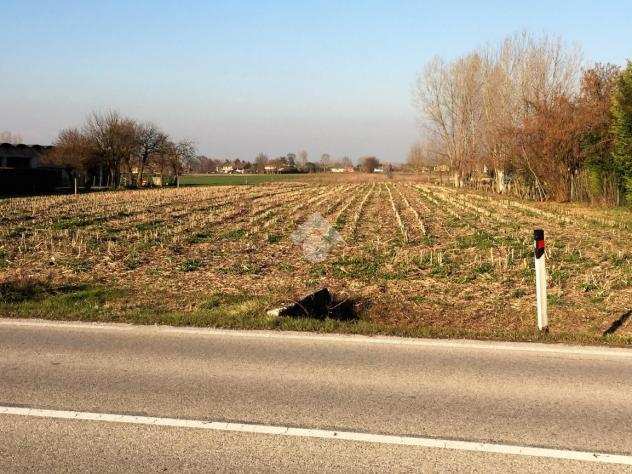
point(274, 238)
point(237, 311)
point(150, 225)
point(480, 239)
point(191, 265)
point(484, 267)
point(233, 234)
point(366, 267)
point(72, 302)
point(201, 237)
point(235, 179)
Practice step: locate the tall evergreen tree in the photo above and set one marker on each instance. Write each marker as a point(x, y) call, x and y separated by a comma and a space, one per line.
point(622, 129)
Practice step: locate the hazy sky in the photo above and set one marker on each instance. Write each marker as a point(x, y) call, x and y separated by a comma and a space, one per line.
point(242, 77)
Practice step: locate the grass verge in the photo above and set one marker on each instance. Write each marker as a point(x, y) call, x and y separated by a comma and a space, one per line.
point(235, 311)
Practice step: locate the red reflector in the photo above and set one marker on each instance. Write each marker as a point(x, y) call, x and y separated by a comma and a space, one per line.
point(539, 244)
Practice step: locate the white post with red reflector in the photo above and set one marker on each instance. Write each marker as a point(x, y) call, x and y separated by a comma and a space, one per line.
point(540, 279)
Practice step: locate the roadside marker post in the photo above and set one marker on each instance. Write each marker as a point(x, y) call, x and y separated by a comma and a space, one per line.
point(540, 279)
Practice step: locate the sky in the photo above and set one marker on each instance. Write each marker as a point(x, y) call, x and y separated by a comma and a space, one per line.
point(243, 77)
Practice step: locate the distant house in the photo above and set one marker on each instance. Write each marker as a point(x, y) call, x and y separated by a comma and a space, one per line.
point(378, 170)
point(348, 169)
point(270, 168)
point(442, 168)
point(153, 175)
point(22, 170)
point(231, 169)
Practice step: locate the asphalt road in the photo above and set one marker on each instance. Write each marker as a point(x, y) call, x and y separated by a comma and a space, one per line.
point(525, 395)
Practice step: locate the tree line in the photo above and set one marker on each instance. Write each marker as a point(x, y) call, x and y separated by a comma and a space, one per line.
point(115, 150)
point(526, 117)
point(289, 163)
point(119, 147)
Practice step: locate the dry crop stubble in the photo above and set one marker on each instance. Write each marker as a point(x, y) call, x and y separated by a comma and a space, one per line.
point(428, 260)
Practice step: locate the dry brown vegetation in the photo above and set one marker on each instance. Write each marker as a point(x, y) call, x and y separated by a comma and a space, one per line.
point(424, 259)
point(523, 117)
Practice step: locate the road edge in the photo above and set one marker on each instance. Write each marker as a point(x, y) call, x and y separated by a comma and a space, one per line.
point(527, 347)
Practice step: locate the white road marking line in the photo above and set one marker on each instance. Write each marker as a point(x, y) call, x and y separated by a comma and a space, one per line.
point(325, 434)
point(528, 347)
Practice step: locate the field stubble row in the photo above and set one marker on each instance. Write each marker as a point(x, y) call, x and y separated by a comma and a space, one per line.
point(427, 258)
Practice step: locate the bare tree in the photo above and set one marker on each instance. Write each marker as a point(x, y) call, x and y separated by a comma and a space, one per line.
point(12, 138)
point(291, 159)
point(150, 139)
point(171, 156)
point(73, 150)
point(184, 151)
point(261, 161)
point(422, 155)
point(301, 158)
point(163, 158)
point(476, 106)
point(114, 141)
point(325, 161)
point(346, 162)
point(369, 163)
